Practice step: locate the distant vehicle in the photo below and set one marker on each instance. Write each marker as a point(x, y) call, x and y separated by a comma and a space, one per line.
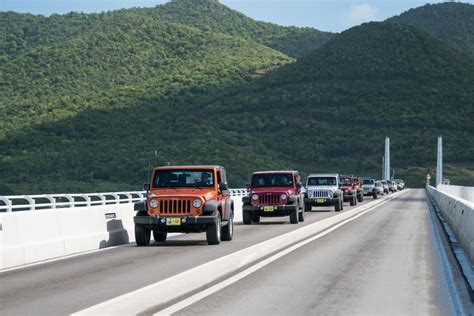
point(378, 189)
point(185, 199)
point(273, 194)
point(368, 186)
point(385, 186)
point(400, 184)
point(392, 186)
point(351, 189)
point(323, 190)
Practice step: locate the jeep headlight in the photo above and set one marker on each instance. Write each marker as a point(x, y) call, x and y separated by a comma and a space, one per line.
point(153, 203)
point(283, 196)
point(254, 197)
point(197, 203)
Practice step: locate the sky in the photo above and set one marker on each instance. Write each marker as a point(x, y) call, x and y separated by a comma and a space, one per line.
point(325, 15)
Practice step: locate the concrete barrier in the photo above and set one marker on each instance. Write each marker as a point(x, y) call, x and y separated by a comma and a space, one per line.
point(34, 236)
point(463, 192)
point(459, 214)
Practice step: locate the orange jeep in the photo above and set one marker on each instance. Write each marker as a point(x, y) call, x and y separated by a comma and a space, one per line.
point(185, 199)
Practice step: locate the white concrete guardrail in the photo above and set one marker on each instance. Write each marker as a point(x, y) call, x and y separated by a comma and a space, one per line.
point(41, 227)
point(463, 192)
point(459, 213)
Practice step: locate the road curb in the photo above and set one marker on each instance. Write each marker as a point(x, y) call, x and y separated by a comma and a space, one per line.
point(187, 282)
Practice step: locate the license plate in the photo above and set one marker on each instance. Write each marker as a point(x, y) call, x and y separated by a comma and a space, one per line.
point(320, 200)
point(268, 208)
point(173, 221)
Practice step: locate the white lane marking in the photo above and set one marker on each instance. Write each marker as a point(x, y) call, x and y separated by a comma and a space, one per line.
point(177, 285)
point(199, 296)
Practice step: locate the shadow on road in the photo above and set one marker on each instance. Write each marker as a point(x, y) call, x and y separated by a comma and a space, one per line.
point(118, 235)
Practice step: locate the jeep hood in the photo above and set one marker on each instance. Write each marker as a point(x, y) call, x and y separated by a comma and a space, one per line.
point(174, 193)
point(322, 187)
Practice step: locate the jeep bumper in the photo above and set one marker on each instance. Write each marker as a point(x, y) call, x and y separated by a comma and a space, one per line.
point(270, 210)
point(180, 224)
point(321, 201)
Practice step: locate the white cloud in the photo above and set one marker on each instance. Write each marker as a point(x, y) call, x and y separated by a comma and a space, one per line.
point(360, 13)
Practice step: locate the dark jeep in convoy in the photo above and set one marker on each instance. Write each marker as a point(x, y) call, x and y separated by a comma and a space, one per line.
point(185, 199)
point(351, 187)
point(272, 194)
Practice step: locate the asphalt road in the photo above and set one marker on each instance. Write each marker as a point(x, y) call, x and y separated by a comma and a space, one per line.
point(384, 262)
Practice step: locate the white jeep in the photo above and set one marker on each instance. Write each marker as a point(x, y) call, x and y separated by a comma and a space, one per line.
point(323, 190)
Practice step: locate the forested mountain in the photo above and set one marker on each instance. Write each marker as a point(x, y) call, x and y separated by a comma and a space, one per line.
point(58, 66)
point(211, 15)
point(90, 102)
point(450, 21)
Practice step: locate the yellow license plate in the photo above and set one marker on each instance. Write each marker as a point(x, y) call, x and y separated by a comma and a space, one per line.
point(320, 200)
point(268, 208)
point(173, 221)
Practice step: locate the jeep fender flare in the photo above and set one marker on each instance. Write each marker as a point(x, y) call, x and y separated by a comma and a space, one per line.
point(229, 209)
point(140, 206)
point(210, 207)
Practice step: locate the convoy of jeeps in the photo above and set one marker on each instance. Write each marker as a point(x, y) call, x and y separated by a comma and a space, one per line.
point(196, 199)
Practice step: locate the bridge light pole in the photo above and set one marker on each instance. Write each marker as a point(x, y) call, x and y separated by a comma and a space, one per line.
point(387, 159)
point(439, 163)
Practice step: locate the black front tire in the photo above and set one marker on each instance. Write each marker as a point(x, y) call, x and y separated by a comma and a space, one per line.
point(338, 206)
point(142, 235)
point(307, 207)
point(246, 218)
point(256, 218)
point(301, 215)
point(227, 231)
point(360, 198)
point(213, 232)
point(294, 217)
point(159, 236)
point(353, 201)
point(374, 195)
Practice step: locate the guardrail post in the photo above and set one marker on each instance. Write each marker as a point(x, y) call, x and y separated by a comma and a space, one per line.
point(70, 199)
point(52, 201)
point(31, 202)
point(8, 203)
point(87, 199)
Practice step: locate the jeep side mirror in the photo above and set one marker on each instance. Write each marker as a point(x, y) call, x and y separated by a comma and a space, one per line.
point(247, 185)
point(146, 186)
point(298, 185)
point(224, 188)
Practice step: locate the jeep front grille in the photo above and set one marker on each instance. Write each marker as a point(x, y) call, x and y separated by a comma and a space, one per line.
point(180, 207)
point(269, 199)
point(320, 194)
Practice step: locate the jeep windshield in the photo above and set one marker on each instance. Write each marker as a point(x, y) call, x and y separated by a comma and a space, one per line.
point(320, 181)
point(368, 181)
point(345, 181)
point(183, 178)
point(272, 180)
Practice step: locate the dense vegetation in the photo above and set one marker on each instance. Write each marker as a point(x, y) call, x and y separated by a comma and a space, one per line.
point(451, 22)
point(211, 15)
point(92, 101)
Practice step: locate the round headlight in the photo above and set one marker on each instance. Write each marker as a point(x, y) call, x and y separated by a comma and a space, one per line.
point(283, 196)
point(197, 203)
point(254, 197)
point(153, 203)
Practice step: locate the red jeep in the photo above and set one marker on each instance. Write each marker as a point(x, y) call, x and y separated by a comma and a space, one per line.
point(272, 194)
point(351, 187)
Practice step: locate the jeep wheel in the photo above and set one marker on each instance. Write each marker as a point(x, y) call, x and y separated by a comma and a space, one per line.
point(360, 198)
point(256, 218)
point(301, 215)
point(307, 207)
point(353, 201)
point(294, 217)
point(246, 218)
point(227, 231)
point(159, 236)
point(375, 195)
point(213, 232)
point(142, 235)
point(338, 206)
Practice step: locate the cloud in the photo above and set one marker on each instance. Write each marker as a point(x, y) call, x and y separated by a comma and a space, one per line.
point(360, 13)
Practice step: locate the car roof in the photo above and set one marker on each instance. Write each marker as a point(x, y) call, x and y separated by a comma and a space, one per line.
point(323, 175)
point(189, 167)
point(275, 171)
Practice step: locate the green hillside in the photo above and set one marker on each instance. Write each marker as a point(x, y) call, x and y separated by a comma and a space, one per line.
point(94, 107)
point(97, 61)
point(211, 15)
point(450, 21)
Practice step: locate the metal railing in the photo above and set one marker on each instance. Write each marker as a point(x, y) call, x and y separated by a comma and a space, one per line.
point(14, 203)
